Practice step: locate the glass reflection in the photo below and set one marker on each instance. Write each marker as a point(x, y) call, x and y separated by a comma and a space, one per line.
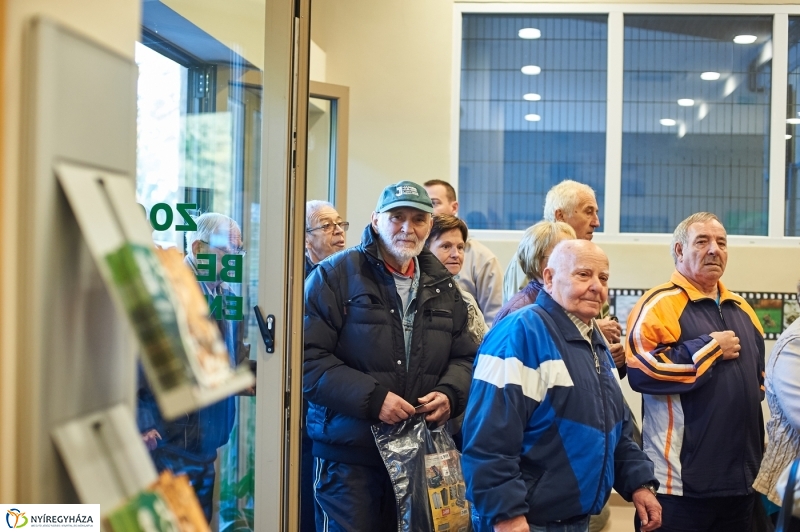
point(198, 164)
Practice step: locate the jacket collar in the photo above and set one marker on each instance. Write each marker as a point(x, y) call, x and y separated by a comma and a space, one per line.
point(564, 324)
point(432, 271)
point(695, 294)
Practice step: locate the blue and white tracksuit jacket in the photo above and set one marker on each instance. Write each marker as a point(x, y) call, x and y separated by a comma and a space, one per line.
point(546, 432)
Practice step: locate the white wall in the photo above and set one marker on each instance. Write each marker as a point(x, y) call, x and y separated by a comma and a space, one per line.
point(395, 57)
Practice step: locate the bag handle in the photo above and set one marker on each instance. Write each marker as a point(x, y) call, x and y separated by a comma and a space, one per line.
point(785, 516)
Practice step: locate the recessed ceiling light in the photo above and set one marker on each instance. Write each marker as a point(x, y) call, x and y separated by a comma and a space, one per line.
point(532, 118)
point(531, 70)
point(788, 136)
point(793, 120)
point(686, 102)
point(709, 76)
point(531, 97)
point(667, 122)
point(529, 33)
point(745, 39)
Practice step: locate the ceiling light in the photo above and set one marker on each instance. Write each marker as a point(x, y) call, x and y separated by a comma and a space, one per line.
point(531, 97)
point(667, 122)
point(529, 33)
point(686, 102)
point(793, 121)
point(531, 70)
point(532, 118)
point(745, 39)
point(702, 111)
point(710, 76)
point(788, 136)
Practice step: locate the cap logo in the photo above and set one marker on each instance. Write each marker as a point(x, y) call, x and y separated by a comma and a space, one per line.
point(407, 190)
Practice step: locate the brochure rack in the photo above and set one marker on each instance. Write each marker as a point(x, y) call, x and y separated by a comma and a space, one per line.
point(105, 457)
point(77, 360)
point(114, 227)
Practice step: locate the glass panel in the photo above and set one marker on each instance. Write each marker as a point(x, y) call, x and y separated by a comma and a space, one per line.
point(792, 119)
point(696, 121)
point(198, 171)
point(533, 113)
point(321, 175)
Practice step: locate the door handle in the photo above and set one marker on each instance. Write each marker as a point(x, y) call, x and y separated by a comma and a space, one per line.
point(267, 328)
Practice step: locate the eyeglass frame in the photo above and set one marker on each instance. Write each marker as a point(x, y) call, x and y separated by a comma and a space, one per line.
point(238, 251)
point(344, 226)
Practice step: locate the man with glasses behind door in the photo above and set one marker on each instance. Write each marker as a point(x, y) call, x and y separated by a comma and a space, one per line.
point(324, 236)
point(385, 332)
point(325, 231)
point(189, 444)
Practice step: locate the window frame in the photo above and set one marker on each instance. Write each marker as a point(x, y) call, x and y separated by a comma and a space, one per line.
point(614, 110)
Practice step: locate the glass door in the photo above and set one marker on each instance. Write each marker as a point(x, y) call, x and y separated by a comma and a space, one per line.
point(211, 186)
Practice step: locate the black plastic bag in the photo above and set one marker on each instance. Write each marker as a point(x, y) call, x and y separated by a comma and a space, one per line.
point(425, 469)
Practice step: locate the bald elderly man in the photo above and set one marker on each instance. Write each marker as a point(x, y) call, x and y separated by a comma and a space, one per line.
point(546, 432)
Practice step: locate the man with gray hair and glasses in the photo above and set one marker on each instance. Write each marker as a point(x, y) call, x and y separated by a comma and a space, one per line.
point(385, 338)
point(325, 231)
point(695, 351)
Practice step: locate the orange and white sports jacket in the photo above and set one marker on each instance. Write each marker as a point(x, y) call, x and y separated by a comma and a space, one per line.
point(702, 421)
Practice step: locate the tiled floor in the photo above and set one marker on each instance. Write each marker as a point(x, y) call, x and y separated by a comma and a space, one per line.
point(621, 519)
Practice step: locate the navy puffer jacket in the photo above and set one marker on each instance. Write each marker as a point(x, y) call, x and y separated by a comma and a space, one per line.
point(355, 349)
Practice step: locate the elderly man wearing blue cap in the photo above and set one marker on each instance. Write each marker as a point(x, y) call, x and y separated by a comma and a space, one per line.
point(385, 337)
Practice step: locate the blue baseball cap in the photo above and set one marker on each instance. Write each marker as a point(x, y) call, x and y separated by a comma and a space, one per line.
point(404, 194)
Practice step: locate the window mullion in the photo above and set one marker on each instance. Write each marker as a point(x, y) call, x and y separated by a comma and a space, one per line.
point(613, 187)
point(777, 144)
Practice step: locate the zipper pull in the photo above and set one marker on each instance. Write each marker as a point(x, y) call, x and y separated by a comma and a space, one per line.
point(596, 362)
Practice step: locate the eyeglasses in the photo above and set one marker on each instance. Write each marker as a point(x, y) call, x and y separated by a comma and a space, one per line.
point(327, 227)
point(226, 250)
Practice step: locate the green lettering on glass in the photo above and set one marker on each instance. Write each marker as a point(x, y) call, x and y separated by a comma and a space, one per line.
point(154, 216)
point(215, 306)
point(206, 272)
point(231, 269)
point(233, 308)
point(190, 224)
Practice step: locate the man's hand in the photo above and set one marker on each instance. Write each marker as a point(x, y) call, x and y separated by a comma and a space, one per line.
point(729, 343)
point(618, 354)
point(395, 409)
point(517, 524)
point(438, 405)
point(150, 438)
point(648, 509)
point(611, 329)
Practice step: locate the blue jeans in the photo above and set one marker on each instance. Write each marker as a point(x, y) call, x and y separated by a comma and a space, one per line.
point(581, 525)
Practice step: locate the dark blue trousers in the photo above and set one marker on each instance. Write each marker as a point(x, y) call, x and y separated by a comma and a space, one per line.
point(711, 514)
point(353, 498)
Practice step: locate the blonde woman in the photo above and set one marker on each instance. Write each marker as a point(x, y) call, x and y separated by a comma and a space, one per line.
point(533, 252)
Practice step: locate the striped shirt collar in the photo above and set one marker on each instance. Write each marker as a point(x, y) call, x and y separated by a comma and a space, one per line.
point(585, 330)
